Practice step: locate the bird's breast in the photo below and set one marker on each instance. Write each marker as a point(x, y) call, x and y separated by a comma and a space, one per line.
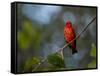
point(69, 34)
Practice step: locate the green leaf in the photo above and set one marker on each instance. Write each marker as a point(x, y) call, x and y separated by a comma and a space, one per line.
point(27, 27)
point(32, 32)
point(93, 50)
point(29, 35)
point(30, 62)
point(23, 40)
point(55, 60)
point(92, 64)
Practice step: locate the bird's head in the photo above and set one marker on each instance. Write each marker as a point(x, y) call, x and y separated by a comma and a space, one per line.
point(68, 24)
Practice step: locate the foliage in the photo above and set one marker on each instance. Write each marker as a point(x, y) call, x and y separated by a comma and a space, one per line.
point(23, 40)
point(93, 50)
point(30, 62)
point(92, 64)
point(56, 60)
point(29, 35)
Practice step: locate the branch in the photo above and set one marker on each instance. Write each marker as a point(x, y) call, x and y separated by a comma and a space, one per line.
point(61, 49)
point(83, 30)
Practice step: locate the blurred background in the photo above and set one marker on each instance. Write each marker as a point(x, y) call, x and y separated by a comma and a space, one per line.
point(40, 35)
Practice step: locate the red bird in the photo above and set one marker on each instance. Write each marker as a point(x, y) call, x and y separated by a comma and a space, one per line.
point(69, 35)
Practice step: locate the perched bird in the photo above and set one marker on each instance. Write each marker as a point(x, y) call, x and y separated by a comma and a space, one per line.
point(69, 35)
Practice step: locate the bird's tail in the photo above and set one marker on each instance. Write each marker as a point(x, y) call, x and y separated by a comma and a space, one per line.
point(74, 51)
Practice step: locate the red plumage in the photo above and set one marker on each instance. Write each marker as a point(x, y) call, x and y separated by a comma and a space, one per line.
point(69, 35)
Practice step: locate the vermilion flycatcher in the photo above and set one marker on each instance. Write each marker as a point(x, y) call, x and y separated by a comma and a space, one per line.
point(69, 35)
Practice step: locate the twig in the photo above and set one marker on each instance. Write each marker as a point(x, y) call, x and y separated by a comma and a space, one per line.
point(61, 52)
point(61, 49)
point(38, 65)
